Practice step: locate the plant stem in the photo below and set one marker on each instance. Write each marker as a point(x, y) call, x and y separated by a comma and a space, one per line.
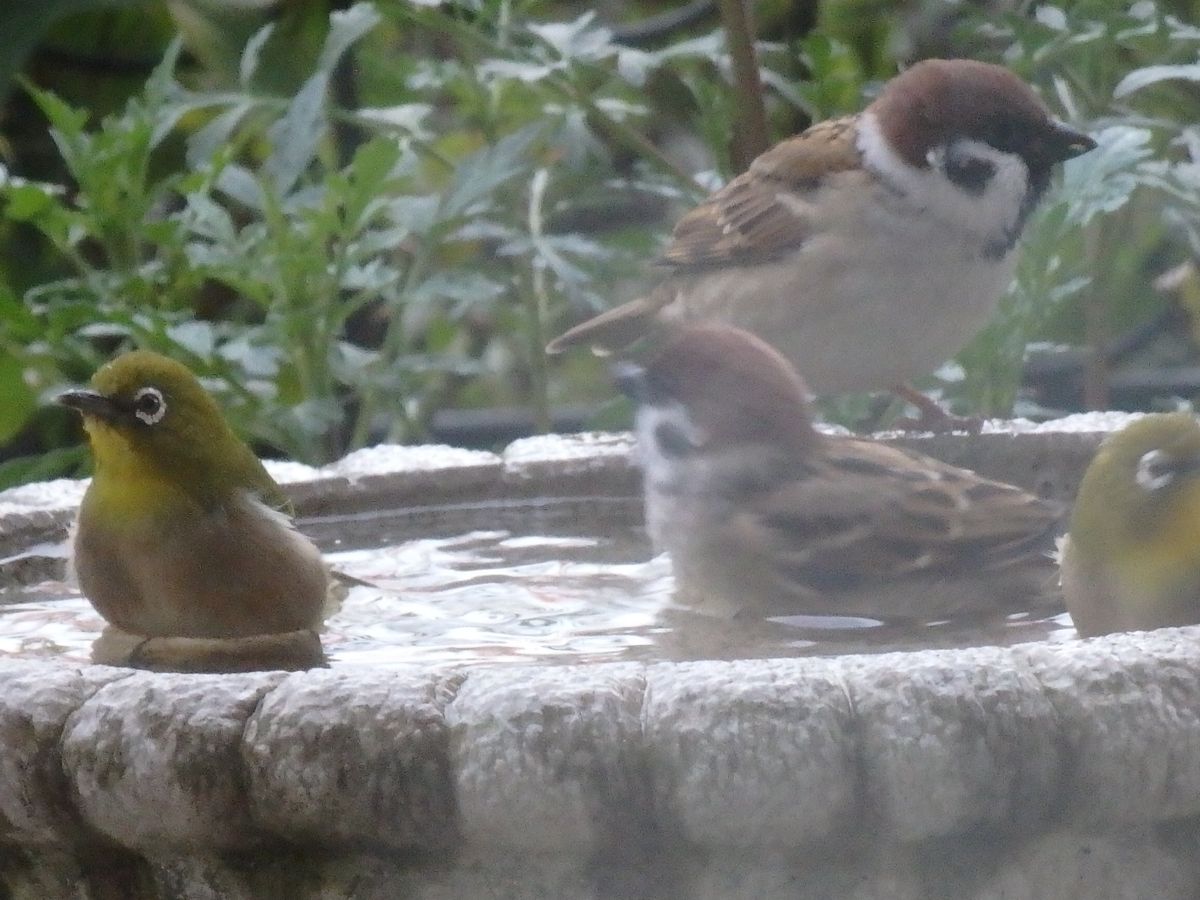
point(750, 138)
point(1095, 329)
point(535, 297)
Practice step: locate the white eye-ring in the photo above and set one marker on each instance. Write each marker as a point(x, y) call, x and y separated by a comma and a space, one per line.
point(149, 405)
point(1154, 470)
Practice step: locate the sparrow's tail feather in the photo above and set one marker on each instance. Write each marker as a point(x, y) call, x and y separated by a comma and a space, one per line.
point(610, 331)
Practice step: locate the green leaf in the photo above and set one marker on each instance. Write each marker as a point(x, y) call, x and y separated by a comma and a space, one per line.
point(479, 175)
point(65, 462)
point(295, 137)
point(27, 201)
point(20, 402)
point(1103, 180)
point(248, 64)
point(1141, 78)
point(580, 39)
point(407, 117)
point(345, 28)
point(203, 145)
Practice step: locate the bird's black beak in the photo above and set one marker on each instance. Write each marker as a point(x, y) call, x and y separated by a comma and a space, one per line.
point(90, 403)
point(631, 380)
point(1064, 142)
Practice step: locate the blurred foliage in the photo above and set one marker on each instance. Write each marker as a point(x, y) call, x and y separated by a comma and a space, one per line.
point(346, 219)
point(1122, 214)
point(339, 272)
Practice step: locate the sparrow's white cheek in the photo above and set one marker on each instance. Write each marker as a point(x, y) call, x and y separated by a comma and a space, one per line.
point(666, 435)
point(991, 214)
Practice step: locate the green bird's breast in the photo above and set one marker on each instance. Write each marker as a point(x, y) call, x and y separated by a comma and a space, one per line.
point(172, 568)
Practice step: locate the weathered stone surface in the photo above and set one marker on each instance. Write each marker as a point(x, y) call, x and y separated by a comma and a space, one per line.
point(1131, 864)
point(868, 875)
point(758, 753)
point(154, 760)
point(582, 463)
point(953, 740)
point(549, 758)
point(1128, 707)
point(1043, 771)
point(36, 700)
point(358, 757)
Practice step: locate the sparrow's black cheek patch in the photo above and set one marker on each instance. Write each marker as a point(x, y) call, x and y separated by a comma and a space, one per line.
point(970, 173)
point(671, 440)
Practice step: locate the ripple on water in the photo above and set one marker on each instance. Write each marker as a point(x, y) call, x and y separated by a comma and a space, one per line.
point(501, 596)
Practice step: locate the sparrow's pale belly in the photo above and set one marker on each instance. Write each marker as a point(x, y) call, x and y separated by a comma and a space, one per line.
point(859, 309)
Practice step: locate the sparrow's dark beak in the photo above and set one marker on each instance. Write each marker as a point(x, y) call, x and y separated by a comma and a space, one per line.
point(1064, 142)
point(90, 403)
point(630, 379)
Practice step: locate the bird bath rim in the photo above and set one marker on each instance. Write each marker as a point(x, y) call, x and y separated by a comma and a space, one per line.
point(567, 775)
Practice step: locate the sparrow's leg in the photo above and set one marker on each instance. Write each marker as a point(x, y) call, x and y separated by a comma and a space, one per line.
point(931, 416)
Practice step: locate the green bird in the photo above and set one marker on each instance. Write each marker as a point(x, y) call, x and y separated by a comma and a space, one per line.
point(182, 532)
point(1131, 561)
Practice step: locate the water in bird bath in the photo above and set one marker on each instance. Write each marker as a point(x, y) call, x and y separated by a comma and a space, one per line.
point(500, 582)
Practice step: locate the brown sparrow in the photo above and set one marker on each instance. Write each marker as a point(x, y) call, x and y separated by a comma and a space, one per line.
point(867, 249)
point(759, 511)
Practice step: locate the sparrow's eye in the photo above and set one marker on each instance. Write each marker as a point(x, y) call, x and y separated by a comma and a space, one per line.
point(149, 405)
point(1155, 470)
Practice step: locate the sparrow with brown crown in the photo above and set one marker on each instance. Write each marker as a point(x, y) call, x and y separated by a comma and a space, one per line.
point(1131, 561)
point(761, 513)
point(182, 533)
point(867, 249)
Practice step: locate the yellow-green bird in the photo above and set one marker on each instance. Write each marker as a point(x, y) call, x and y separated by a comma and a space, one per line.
point(1131, 561)
point(182, 532)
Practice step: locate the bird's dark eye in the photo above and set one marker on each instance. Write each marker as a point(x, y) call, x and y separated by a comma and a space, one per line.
point(149, 405)
point(1155, 470)
point(672, 441)
point(969, 172)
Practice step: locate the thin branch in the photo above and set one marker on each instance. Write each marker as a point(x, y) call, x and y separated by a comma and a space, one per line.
point(751, 137)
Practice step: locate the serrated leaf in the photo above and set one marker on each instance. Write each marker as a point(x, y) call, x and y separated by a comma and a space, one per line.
point(209, 220)
point(1104, 179)
point(580, 39)
point(203, 145)
point(238, 183)
point(479, 175)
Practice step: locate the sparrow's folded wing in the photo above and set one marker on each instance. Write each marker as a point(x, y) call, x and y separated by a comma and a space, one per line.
point(763, 213)
point(876, 514)
point(757, 217)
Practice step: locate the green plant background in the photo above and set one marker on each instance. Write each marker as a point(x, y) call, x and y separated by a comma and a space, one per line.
point(351, 218)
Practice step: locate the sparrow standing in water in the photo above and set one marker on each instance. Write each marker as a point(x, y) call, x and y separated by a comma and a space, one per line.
point(182, 533)
point(1131, 561)
point(868, 249)
point(760, 512)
